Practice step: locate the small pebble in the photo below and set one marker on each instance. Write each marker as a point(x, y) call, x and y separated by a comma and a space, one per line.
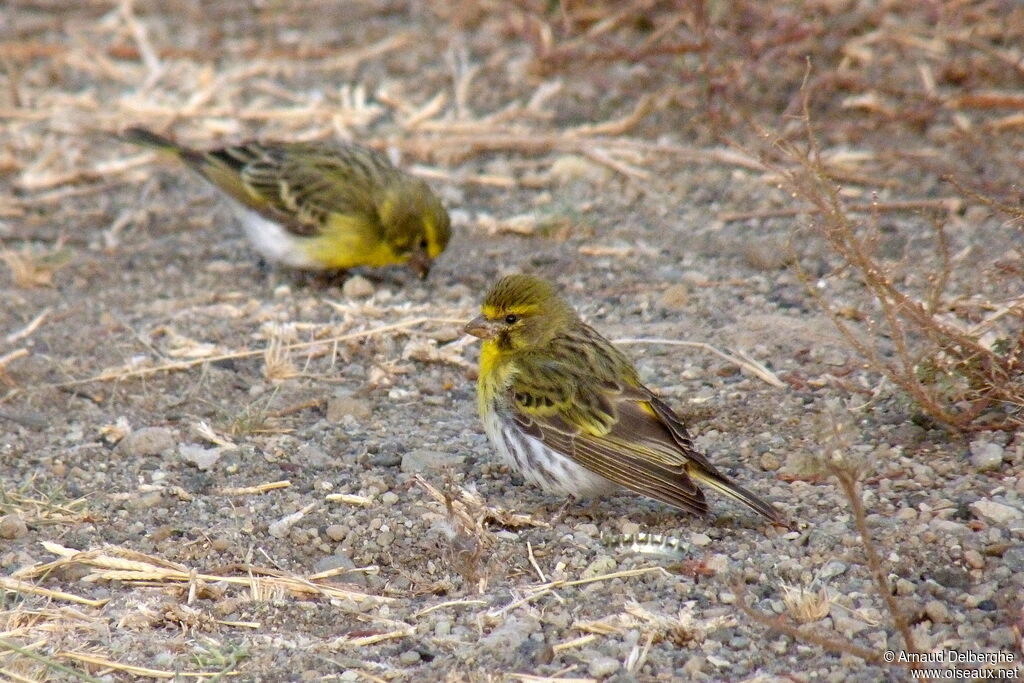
point(202, 458)
point(422, 459)
point(986, 456)
point(700, 539)
point(357, 287)
point(974, 559)
point(832, 569)
point(147, 441)
point(409, 657)
point(389, 498)
point(12, 526)
point(602, 565)
point(602, 667)
point(937, 612)
point(336, 532)
point(996, 513)
point(572, 167)
point(340, 406)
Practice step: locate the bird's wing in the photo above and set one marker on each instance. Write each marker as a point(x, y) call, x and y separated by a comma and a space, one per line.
point(297, 185)
point(610, 427)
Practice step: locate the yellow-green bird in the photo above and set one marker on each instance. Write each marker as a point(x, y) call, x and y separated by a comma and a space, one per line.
point(567, 409)
point(321, 206)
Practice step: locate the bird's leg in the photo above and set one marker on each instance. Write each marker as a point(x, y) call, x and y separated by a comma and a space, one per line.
point(332, 278)
point(320, 279)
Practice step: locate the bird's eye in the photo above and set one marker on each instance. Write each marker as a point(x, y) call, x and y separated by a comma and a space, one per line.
point(511, 319)
point(423, 243)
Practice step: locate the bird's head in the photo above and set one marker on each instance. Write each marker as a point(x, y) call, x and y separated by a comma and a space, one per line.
point(521, 313)
point(416, 224)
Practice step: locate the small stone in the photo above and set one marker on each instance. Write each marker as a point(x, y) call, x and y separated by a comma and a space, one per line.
point(951, 577)
point(904, 587)
point(834, 358)
point(937, 612)
point(974, 559)
point(571, 167)
point(12, 526)
point(202, 458)
point(220, 544)
point(987, 605)
point(336, 532)
point(996, 513)
point(147, 441)
point(389, 498)
point(357, 287)
point(602, 667)
point(340, 406)
point(986, 456)
point(409, 657)
point(845, 624)
point(512, 633)
point(770, 462)
point(145, 501)
point(717, 563)
point(601, 565)
point(311, 455)
point(832, 569)
point(422, 459)
point(675, 298)
point(700, 539)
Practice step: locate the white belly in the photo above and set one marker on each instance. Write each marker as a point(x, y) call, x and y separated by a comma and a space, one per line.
point(274, 242)
point(540, 465)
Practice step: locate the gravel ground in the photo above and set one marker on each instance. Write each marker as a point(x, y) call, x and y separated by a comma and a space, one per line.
point(447, 565)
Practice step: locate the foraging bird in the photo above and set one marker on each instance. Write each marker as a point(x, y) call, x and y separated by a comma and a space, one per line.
point(321, 206)
point(567, 409)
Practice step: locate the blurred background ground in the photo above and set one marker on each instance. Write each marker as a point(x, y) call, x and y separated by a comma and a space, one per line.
point(208, 469)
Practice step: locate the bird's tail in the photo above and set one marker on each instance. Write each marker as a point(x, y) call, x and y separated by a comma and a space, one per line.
point(147, 138)
point(721, 484)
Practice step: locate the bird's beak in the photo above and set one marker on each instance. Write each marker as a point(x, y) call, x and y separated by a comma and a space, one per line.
point(481, 327)
point(420, 264)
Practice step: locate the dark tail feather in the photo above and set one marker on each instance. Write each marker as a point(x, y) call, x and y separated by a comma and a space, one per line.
point(737, 492)
point(147, 138)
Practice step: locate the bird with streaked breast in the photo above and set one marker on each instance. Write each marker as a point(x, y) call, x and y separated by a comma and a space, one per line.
point(566, 408)
point(320, 206)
